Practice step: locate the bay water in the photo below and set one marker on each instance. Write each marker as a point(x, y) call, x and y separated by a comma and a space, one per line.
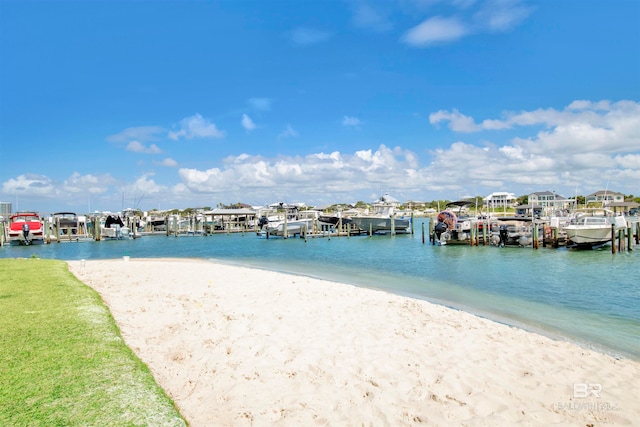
point(591, 298)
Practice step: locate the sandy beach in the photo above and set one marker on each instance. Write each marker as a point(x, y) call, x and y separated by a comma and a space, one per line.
point(235, 346)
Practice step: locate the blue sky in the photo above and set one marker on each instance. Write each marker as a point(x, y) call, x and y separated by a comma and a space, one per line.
point(175, 104)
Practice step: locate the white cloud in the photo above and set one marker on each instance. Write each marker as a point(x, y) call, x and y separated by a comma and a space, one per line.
point(30, 185)
point(435, 30)
point(457, 122)
point(314, 175)
point(501, 15)
point(139, 133)
point(247, 123)
point(32, 190)
point(308, 36)
point(196, 126)
point(580, 126)
point(583, 145)
point(144, 186)
point(137, 147)
point(87, 184)
point(470, 17)
point(350, 121)
point(289, 132)
point(169, 162)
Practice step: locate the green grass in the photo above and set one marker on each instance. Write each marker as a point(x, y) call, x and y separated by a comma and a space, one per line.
point(62, 359)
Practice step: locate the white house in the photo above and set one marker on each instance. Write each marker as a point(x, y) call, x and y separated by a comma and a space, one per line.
point(605, 197)
point(548, 200)
point(500, 199)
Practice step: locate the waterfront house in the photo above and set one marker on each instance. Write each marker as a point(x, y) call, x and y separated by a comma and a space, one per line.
point(499, 199)
point(549, 201)
point(604, 197)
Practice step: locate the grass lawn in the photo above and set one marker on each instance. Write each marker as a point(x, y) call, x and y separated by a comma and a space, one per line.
point(62, 359)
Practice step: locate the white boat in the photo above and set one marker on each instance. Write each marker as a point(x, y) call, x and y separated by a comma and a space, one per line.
point(292, 228)
point(114, 228)
point(592, 227)
point(293, 223)
point(384, 219)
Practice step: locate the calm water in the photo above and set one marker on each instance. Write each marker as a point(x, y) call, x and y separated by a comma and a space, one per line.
point(589, 297)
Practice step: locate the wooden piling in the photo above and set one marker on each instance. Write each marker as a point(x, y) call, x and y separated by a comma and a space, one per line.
point(284, 234)
point(613, 239)
point(412, 224)
point(57, 230)
point(432, 237)
point(621, 240)
point(629, 239)
point(393, 224)
point(96, 229)
point(472, 235)
point(423, 233)
point(484, 234)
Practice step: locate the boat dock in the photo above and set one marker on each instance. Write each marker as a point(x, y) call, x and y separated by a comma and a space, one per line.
point(504, 231)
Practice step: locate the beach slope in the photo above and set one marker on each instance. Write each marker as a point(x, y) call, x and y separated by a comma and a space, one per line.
point(235, 346)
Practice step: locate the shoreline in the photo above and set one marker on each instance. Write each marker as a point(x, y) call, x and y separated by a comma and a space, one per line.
point(548, 331)
point(234, 345)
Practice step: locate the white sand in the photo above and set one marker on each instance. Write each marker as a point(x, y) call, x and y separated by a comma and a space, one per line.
point(235, 346)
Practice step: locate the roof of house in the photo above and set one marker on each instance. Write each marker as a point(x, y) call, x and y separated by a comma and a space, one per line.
point(242, 211)
point(386, 198)
point(605, 192)
point(623, 205)
point(548, 193)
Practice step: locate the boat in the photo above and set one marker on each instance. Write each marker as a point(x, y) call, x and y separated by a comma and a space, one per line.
point(157, 224)
point(25, 228)
point(113, 228)
point(336, 222)
point(384, 219)
point(290, 224)
point(68, 226)
point(452, 228)
point(591, 228)
point(514, 231)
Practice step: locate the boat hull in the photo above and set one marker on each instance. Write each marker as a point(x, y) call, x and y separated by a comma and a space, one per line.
point(114, 232)
point(381, 224)
point(293, 228)
point(585, 236)
point(21, 240)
